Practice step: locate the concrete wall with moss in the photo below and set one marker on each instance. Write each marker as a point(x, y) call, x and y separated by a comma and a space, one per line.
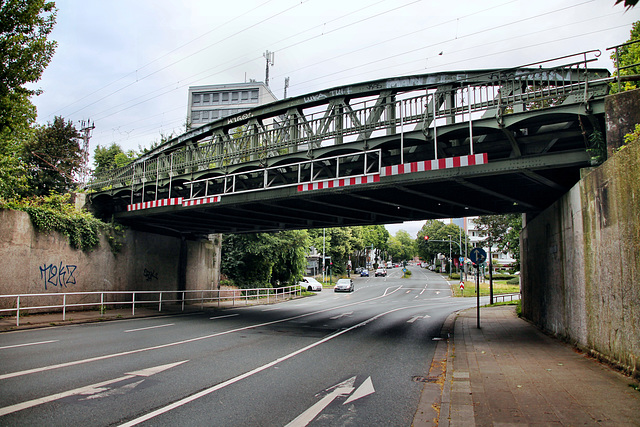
point(581, 263)
point(35, 262)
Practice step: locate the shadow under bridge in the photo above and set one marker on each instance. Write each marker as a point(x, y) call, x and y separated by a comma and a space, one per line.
point(407, 148)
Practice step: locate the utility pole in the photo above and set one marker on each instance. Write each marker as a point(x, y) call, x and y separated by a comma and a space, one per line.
point(286, 85)
point(269, 56)
point(85, 134)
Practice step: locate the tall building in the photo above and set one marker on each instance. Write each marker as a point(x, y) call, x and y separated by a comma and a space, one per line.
point(213, 102)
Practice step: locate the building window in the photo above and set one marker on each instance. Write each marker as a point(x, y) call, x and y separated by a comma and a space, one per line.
point(205, 98)
point(215, 98)
point(235, 96)
point(195, 116)
point(196, 99)
point(214, 114)
point(254, 95)
point(205, 115)
point(225, 96)
point(245, 96)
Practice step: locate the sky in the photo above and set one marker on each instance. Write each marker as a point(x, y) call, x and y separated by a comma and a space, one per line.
point(126, 65)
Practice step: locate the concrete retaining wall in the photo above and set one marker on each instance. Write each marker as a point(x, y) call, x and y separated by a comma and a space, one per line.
point(581, 263)
point(35, 262)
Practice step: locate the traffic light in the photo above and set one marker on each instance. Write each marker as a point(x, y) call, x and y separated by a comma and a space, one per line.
point(426, 238)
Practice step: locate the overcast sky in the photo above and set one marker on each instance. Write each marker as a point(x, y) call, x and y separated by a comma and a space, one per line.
point(127, 64)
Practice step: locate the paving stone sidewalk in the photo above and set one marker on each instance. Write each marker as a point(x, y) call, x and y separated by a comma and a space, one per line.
point(510, 373)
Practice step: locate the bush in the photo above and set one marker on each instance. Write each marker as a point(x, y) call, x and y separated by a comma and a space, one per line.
point(514, 281)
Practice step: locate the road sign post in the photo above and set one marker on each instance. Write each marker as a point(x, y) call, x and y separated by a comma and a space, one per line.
point(477, 255)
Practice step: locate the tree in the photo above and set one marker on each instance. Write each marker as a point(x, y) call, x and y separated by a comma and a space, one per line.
point(628, 3)
point(112, 157)
point(502, 232)
point(401, 246)
point(24, 54)
point(54, 157)
point(263, 259)
point(627, 56)
point(436, 230)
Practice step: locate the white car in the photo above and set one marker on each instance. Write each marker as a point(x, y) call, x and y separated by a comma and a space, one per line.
point(311, 284)
point(344, 285)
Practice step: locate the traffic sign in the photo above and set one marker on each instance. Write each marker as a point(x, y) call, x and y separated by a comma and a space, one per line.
point(478, 255)
point(462, 285)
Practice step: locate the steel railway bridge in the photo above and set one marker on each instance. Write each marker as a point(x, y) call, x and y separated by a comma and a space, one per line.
point(417, 147)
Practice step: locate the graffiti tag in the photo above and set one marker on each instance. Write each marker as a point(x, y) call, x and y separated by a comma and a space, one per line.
point(58, 275)
point(150, 275)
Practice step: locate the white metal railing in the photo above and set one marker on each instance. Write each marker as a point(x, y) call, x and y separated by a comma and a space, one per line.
point(102, 300)
point(503, 297)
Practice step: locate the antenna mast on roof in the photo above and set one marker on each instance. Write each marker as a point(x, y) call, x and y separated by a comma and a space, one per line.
point(269, 57)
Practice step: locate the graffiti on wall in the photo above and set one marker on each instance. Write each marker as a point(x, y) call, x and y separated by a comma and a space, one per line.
point(150, 275)
point(58, 274)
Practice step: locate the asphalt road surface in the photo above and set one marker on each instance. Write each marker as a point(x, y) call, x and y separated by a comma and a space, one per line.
point(332, 359)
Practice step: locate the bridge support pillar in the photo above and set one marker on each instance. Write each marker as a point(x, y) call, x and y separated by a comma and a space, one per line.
point(622, 112)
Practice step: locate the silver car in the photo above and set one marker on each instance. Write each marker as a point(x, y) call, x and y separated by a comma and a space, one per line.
point(311, 284)
point(343, 285)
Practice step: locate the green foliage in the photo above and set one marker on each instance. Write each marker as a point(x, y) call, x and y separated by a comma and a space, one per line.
point(437, 230)
point(264, 259)
point(627, 56)
point(402, 246)
point(502, 232)
point(112, 157)
point(632, 137)
point(54, 157)
point(513, 281)
point(598, 147)
point(56, 213)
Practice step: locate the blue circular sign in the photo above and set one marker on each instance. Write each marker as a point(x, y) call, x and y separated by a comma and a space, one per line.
point(478, 255)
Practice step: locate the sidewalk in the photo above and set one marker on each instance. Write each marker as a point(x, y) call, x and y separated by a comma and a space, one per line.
point(510, 373)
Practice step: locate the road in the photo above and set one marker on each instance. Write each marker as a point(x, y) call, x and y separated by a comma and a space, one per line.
point(332, 359)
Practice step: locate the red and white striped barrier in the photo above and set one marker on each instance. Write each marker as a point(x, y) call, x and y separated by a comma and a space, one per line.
point(339, 182)
point(202, 201)
point(155, 204)
point(429, 165)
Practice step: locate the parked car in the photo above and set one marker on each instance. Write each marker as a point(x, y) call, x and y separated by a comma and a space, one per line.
point(381, 272)
point(364, 273)
point(311, 284)
point(344, 285)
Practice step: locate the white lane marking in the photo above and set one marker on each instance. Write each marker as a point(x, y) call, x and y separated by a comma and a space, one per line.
point(86, 390)
point(27, 344)
point(348, 314)
point(414, 318)
point(307, 416)
point(240, 377)
point(150, 327)
point(365, 389)
point(175, 343)
point(222, 317)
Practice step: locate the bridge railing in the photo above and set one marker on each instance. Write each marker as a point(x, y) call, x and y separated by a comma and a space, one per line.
point(343, 119)
point(22, 305)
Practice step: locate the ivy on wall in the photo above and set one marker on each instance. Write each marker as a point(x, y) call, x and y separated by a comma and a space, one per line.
point(56, 213)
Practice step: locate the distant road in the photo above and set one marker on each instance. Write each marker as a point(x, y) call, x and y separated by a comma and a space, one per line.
point(332, 359)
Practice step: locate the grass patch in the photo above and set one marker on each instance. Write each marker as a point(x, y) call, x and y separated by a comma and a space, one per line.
point(499, 287)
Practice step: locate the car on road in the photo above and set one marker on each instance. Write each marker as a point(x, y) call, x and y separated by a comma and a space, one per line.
point(344, 285)
point(364, 273)
point(311, 284)
point(381, 272)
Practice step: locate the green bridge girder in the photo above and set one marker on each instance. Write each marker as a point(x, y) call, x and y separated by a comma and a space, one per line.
point(533, 125)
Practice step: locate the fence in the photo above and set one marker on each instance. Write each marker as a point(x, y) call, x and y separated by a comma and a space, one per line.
point(103, 300)
point(503, 297)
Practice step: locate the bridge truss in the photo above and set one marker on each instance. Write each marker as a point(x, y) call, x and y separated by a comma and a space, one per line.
point(413, 147)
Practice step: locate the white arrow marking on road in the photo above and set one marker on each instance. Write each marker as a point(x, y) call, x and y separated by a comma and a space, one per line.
point(365, 389)
point(341, 315)
point(414, 318)
point(87, 390)
point(344, 388)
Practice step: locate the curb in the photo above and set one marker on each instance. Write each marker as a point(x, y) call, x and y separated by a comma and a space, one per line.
point(436, 393)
